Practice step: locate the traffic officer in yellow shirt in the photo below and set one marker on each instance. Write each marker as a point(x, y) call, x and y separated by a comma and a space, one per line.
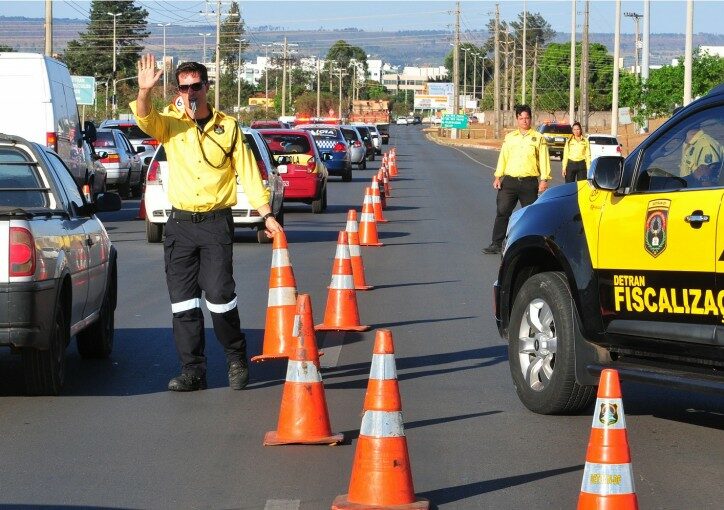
point(523, 171)
point(576, 156)
point(206, 151)
point(698, 153)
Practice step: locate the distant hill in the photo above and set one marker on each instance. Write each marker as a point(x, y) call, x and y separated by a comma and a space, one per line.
point(418, 47)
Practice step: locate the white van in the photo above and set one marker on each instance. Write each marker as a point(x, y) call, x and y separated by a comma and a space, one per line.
point(38, 103)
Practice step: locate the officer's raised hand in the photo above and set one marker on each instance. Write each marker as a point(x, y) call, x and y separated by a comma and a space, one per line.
point(148, 75)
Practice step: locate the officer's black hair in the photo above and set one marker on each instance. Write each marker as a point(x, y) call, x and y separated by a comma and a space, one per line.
point(520, 108)
point(193, 67)
point(577, 124)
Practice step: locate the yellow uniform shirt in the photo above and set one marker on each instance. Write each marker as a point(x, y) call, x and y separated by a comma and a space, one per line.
point(701, 150)
point(524, 155)
point(194, 182)
point(576, 150)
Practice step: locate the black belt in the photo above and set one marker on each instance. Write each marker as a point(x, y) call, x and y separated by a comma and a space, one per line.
point(198, 217)
point(520, 178)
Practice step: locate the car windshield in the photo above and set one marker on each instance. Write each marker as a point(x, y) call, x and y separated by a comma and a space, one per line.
point(20, 185)
point(350, 134)
point(104, 139)
point(132, 131)
point(557, 129)
point(287, 144)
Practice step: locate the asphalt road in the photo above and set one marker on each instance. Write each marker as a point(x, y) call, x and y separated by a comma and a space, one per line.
point(118, 439)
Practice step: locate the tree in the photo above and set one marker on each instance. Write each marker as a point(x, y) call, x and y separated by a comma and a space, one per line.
point(536, 29)
point(5, 48)
point(92, 54)
point(470, 70)
point(232, 30)
point(305, 105)
point(343, 56)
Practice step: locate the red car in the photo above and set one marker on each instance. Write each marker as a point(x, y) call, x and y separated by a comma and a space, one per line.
point(300, 166)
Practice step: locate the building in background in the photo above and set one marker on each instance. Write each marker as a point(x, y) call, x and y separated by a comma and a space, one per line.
point(414, 78)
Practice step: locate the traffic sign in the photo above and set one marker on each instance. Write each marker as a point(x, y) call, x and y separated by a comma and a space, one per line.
point(454, 120)
point(85, 89)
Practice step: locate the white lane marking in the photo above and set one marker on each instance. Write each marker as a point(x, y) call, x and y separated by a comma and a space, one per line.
point(470, 157)
point(331, 353)
point(282, 504)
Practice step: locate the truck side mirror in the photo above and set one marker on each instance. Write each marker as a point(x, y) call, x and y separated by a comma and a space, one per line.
point(606, 172)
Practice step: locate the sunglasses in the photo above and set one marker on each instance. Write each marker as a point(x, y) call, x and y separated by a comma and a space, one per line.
point(194, 86)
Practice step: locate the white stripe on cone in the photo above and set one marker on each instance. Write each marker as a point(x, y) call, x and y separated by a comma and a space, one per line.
point(383, 367)
point(302, 372)
point(382, 424)
point(282, 296)
point(280, 258)
point(342, 282)
point(607, 479)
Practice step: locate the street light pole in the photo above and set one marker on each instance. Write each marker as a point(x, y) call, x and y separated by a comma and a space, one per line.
point(465, 75)
point(238, 81)
point(204, 36)
point(114, 105)
point(636, 17)
point(266, 77)
point(165, 80)
point(475, 74)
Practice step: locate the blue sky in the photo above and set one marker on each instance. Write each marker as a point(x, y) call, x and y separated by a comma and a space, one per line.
point(666, 15)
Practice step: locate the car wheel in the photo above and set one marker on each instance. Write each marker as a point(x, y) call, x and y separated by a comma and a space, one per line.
point(44, 370)
point(347, 175)
point(125, 188)
point(154, 232)
point(318, 204)
point(96, 341)
point(137, 189)
point(363, 165)
point(541, 336)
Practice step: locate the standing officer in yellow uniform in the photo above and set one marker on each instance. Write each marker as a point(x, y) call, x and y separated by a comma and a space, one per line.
point(576, 156)
point(522, 162)
point(206, 152)
point(698, 152)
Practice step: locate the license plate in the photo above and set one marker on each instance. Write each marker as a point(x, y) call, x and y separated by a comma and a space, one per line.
point(558, 139)
point(286, 183)
point(282, 169)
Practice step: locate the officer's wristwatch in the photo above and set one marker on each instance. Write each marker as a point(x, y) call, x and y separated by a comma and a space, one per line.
point(266, 217)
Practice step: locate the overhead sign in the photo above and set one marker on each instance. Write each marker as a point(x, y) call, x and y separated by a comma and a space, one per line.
point(434, 102)
point(85, 89)
point(454, 120)
point(440, 89)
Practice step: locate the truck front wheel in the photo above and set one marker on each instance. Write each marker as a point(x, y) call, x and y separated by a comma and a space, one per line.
point(541, 339)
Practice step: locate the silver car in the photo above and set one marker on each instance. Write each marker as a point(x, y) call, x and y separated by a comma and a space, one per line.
point(376, 138)
point(59, 279)
point(122, 163)
point(356, 146)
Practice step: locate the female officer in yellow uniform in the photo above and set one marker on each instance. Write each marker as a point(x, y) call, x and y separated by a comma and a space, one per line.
point(576, 156)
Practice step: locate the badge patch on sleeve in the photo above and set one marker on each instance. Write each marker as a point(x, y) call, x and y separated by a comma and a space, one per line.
point(218, 129)
point(655, 234)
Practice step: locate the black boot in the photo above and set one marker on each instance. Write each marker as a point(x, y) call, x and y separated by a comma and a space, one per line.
point(238, 375)
point(187, 382)
point(492, 249)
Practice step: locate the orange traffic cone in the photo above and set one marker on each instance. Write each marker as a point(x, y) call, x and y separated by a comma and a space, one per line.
point(367, 223)
point(87, 193)
point(303, 415)
point(142, 208)
point(377, 202)
point(607, 478)
point(279, 340)
point(355, 254)
point(341, 313)
point(386, 183)
point(377, 182)
point(381, 476)
point(393, 164)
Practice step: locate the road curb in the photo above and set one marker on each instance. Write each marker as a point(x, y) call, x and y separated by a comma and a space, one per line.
point(460, 145)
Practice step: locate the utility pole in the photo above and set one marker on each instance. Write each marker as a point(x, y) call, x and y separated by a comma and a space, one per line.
point(217, 84)
point(523, 64)
point(482, 81)
point(48, 28)
point(114, 105)
point(165, 82)
point(341, 73)
point(636, 17)
point(512, 77)
point(238, 80)
point(583, 108)
point(506, 75)
point(645, 58)
point(496, 71)
point(456, 69)
point(284, 79)
point(535, 77)
point(616, 71)
point(465, 75)
point(475, 74)
point(319, 90)
point(688, 50)
point(266, 77)
point(572, 79)
point(204, 36)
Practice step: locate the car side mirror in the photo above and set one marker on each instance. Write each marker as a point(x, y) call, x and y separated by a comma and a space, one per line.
point(107, 202)
point(606, 172)
point(140, 149)
point(147, 160)
point(89, 131)
point(100, 155)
